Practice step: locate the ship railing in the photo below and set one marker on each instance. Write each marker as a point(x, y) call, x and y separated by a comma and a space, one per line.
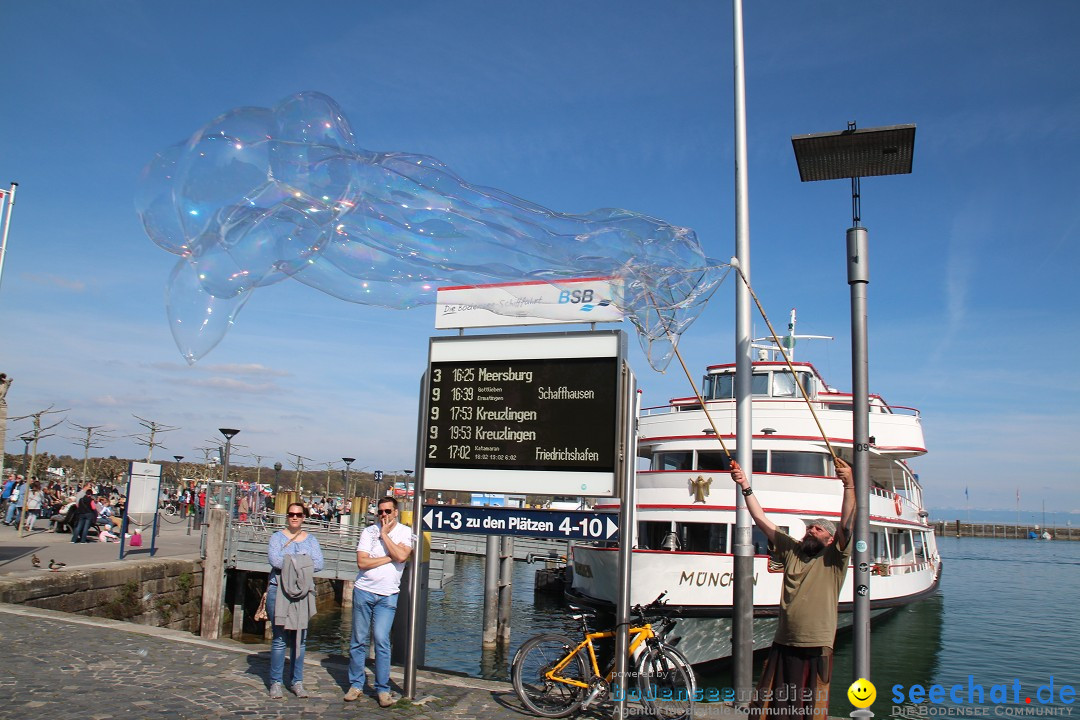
point(836, 401)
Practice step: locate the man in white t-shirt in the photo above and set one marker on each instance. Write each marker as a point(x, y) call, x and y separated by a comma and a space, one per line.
point(381, 554)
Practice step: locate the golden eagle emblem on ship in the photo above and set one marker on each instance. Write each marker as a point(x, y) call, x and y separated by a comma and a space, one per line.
point(699, 486)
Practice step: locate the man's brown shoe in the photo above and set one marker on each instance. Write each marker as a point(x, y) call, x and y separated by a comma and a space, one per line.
point(385, 700)
point(353, 694)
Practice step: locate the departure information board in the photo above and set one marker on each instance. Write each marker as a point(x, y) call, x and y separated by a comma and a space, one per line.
point(523, 404)
point(523, 414)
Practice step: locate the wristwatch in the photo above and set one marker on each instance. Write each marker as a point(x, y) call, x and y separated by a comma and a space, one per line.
point(747, 491)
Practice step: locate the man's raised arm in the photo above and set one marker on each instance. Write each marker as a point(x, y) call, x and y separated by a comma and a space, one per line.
point(760, 519)
point(847, 507)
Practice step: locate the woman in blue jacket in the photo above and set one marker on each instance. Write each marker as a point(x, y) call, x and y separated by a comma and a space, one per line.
point(292, 540)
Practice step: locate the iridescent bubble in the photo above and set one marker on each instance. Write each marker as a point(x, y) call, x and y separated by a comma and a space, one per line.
point(197, 319)
point(259, 195)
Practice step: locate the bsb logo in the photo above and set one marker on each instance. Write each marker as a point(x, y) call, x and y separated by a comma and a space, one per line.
point(581, 297)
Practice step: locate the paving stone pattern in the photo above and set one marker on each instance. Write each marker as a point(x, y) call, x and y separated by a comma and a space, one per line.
point(57, 669)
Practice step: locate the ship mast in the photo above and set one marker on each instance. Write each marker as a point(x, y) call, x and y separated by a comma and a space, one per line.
point(767, 349)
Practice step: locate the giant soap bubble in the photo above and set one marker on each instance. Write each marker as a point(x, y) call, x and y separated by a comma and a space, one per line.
point(260, 195)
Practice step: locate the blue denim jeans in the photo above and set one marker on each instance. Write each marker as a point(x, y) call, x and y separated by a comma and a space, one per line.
point(82, 527)
point(371, 613)
point(284, 638)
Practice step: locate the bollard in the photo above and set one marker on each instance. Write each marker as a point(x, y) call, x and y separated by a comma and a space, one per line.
point(214, 574)
point(491, 592)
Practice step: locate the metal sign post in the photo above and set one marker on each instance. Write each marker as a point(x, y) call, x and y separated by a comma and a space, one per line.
point(538, 414)
point(143, 492)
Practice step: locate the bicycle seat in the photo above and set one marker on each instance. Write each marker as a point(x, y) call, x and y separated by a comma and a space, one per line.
point(581, 612)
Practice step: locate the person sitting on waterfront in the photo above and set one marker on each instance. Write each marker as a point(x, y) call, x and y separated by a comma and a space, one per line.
point(64, 519)
point(795, 680)
point(381, 554)
point(294, 557)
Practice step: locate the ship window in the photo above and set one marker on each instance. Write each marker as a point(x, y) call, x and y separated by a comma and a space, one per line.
point(920, 548)
point(881, 553)
point(713, 460)
point(901, 547)
point(703, 537)
point(783, 385)
point(652, 535)
point(761, 543)
point(683, 460)
point(717, 461)
point(759, 385)
point(798, 463)
point(723, 387)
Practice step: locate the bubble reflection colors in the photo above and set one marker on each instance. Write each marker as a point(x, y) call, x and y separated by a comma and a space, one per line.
point(259, 195)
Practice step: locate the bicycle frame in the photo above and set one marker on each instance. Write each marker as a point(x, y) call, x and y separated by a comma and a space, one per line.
point(638, 635)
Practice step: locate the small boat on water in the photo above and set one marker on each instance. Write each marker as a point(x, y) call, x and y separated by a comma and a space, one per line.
point(686, 502)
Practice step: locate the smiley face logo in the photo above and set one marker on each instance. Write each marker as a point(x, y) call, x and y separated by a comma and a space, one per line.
point(862, 693)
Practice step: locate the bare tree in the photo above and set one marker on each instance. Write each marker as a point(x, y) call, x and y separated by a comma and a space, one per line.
point(147, 439)
point(258, 466)
point(94, 435)
point(298, 463)
point(38, 433)
point(329, 467)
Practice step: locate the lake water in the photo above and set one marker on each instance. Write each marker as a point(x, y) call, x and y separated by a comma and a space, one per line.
point(1006, 612)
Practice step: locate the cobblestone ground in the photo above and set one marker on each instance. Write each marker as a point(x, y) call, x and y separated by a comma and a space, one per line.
point(57, 668)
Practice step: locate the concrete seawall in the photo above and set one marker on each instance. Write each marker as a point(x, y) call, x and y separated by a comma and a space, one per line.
point(163, 593)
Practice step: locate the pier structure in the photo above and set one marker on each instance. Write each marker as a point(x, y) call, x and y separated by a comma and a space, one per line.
point(1004, 531)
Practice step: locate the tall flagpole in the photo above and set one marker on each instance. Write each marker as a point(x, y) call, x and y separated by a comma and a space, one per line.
point(742, 621)
point(7, 225)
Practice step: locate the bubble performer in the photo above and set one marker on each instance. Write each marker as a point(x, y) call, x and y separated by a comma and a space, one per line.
point(259, 195)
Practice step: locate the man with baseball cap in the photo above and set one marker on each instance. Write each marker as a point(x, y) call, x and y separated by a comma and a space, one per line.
point(795, 680)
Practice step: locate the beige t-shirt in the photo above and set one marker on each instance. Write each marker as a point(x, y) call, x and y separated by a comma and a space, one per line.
point(811, 593)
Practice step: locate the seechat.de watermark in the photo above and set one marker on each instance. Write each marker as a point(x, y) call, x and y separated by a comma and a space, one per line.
point(972, 699)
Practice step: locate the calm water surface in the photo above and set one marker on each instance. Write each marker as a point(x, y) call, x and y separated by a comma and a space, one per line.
point(1007, 611)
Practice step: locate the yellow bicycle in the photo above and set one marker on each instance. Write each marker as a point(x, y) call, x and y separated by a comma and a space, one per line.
point(554, 676)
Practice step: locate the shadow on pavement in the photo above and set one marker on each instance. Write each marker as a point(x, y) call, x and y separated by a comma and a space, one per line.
point(11, 553)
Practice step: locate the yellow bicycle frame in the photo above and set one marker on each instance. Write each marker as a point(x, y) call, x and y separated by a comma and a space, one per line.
point(638, 635)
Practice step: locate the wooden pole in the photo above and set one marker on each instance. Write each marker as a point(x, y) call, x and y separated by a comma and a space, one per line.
point(214, 574)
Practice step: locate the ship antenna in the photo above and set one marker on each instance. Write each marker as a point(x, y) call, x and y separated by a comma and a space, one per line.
point(693, 385)
point(783, 351)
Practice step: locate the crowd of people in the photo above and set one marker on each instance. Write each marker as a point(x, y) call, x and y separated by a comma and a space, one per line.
point(90, 510)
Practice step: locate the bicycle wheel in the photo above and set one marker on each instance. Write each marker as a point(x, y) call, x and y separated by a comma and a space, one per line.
point(666, 683)
point(546, 697)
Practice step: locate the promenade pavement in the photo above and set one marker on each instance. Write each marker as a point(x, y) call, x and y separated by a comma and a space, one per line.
point(17, 548)
point(57, 665)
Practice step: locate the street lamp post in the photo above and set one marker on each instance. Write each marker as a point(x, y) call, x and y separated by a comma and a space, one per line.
point(277, 474)
point(348, 488)
point(229, 434)
point(855, 154)
point(27, 439)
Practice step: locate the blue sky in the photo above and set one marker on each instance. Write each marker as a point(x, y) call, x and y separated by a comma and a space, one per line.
point(575, 106)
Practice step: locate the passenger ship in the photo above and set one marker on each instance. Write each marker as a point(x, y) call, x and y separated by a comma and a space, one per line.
point(686, 503)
